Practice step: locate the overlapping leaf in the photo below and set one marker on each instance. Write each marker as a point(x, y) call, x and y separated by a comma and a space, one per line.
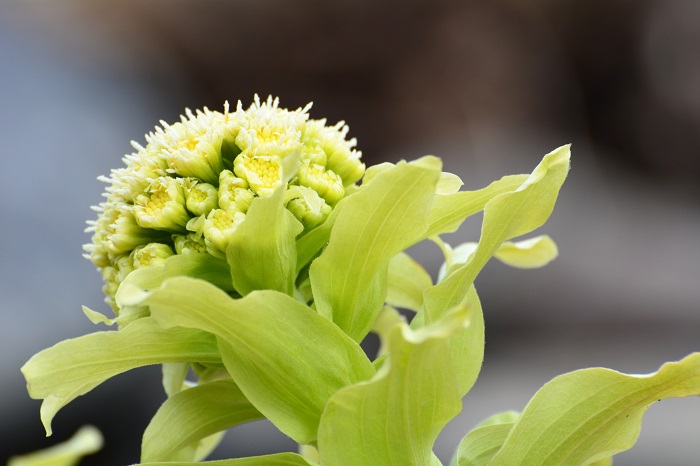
point(396, 417)
point(286, 359)
point(591, 414)
point(203, 266)
point(449, 210)
point(277, 459)
point(506, 216)
point(376, 223)
point(262, 252)
point(73, 367)
point(481, 444)
point(407, 282)
point(192, 415)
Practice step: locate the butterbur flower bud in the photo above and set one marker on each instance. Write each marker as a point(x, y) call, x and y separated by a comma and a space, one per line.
point(163, 207)
point(189, 188)
point(122, 233)
point(341, 157)
point(124, 265)
point(201, 198)
point(326, 183)
point(307, 206)
point(234, 193)
point(111, 282)
point(217, 228)
point(151, 254)
point(189, 243)
point(192, 147)
point(263, 173)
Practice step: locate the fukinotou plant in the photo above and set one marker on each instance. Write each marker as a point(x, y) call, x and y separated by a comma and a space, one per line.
point(250, 252)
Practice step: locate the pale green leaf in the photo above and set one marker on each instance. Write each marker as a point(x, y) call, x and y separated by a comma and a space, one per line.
point(528, 254)
point(376, 223)
point(97, 317)
point(407, 282)
point(395, 417)
point(506, 216)
point(287, 359)
point(86, 441)
point(311, 244)
point(506, 417)
point(74, 367)
point(467, 345)
point(478, 446)
point(174, 375)
point(449, 183)
point(277, 459)
point(590, 415)
point(262, 252)
point(383, 326)
point(454, 257)
point(195, 265)
point(192, 415)
point(449, 211)
point(206, 446)
point(602, 462)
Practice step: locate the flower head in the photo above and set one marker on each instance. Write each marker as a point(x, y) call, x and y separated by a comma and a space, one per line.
point(189, 188)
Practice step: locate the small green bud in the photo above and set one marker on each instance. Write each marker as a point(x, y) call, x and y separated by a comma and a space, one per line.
point(111, 283)
point(192, 147)
point(217, 228)
point(151, 254)
point(307, 206)
point(234, 193)
point(201, 198)
point(341, 157)
point(189, 243)
point(326, 183)
point(163, 208)
point(263, 173)
point(124, 265)
point(120, 231)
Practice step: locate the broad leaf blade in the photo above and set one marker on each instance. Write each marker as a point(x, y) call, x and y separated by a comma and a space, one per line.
point(286, 359)
point(589, 415)
point(74, 367)
point(192, 415)
point(407, 282)
point(481, 444)
point(277, 459)
point(505, 216)
point(450, 210)
point(310, 245)
point(528, 254)
point(467, 345)
point(195, 265)
point(396, 417)
point(376, 223)
point(262, 252)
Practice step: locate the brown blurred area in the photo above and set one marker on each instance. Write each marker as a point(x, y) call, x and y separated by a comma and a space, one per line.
point(408, 73)
point(488, 86)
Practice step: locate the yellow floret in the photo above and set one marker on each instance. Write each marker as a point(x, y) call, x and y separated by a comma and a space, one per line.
point(326, 183)
point(163, 208)
point(262, 173)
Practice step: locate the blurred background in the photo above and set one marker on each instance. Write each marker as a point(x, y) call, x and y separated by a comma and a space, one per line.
point(490, 87)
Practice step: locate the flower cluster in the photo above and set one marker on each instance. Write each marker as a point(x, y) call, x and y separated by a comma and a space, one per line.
point(190, 187)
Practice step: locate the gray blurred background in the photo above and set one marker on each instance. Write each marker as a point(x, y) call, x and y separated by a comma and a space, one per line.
point(488, 86)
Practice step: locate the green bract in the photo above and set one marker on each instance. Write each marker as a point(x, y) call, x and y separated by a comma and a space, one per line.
point(237, 247)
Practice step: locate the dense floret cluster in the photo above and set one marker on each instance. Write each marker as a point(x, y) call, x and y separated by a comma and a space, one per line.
point(190, 187)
